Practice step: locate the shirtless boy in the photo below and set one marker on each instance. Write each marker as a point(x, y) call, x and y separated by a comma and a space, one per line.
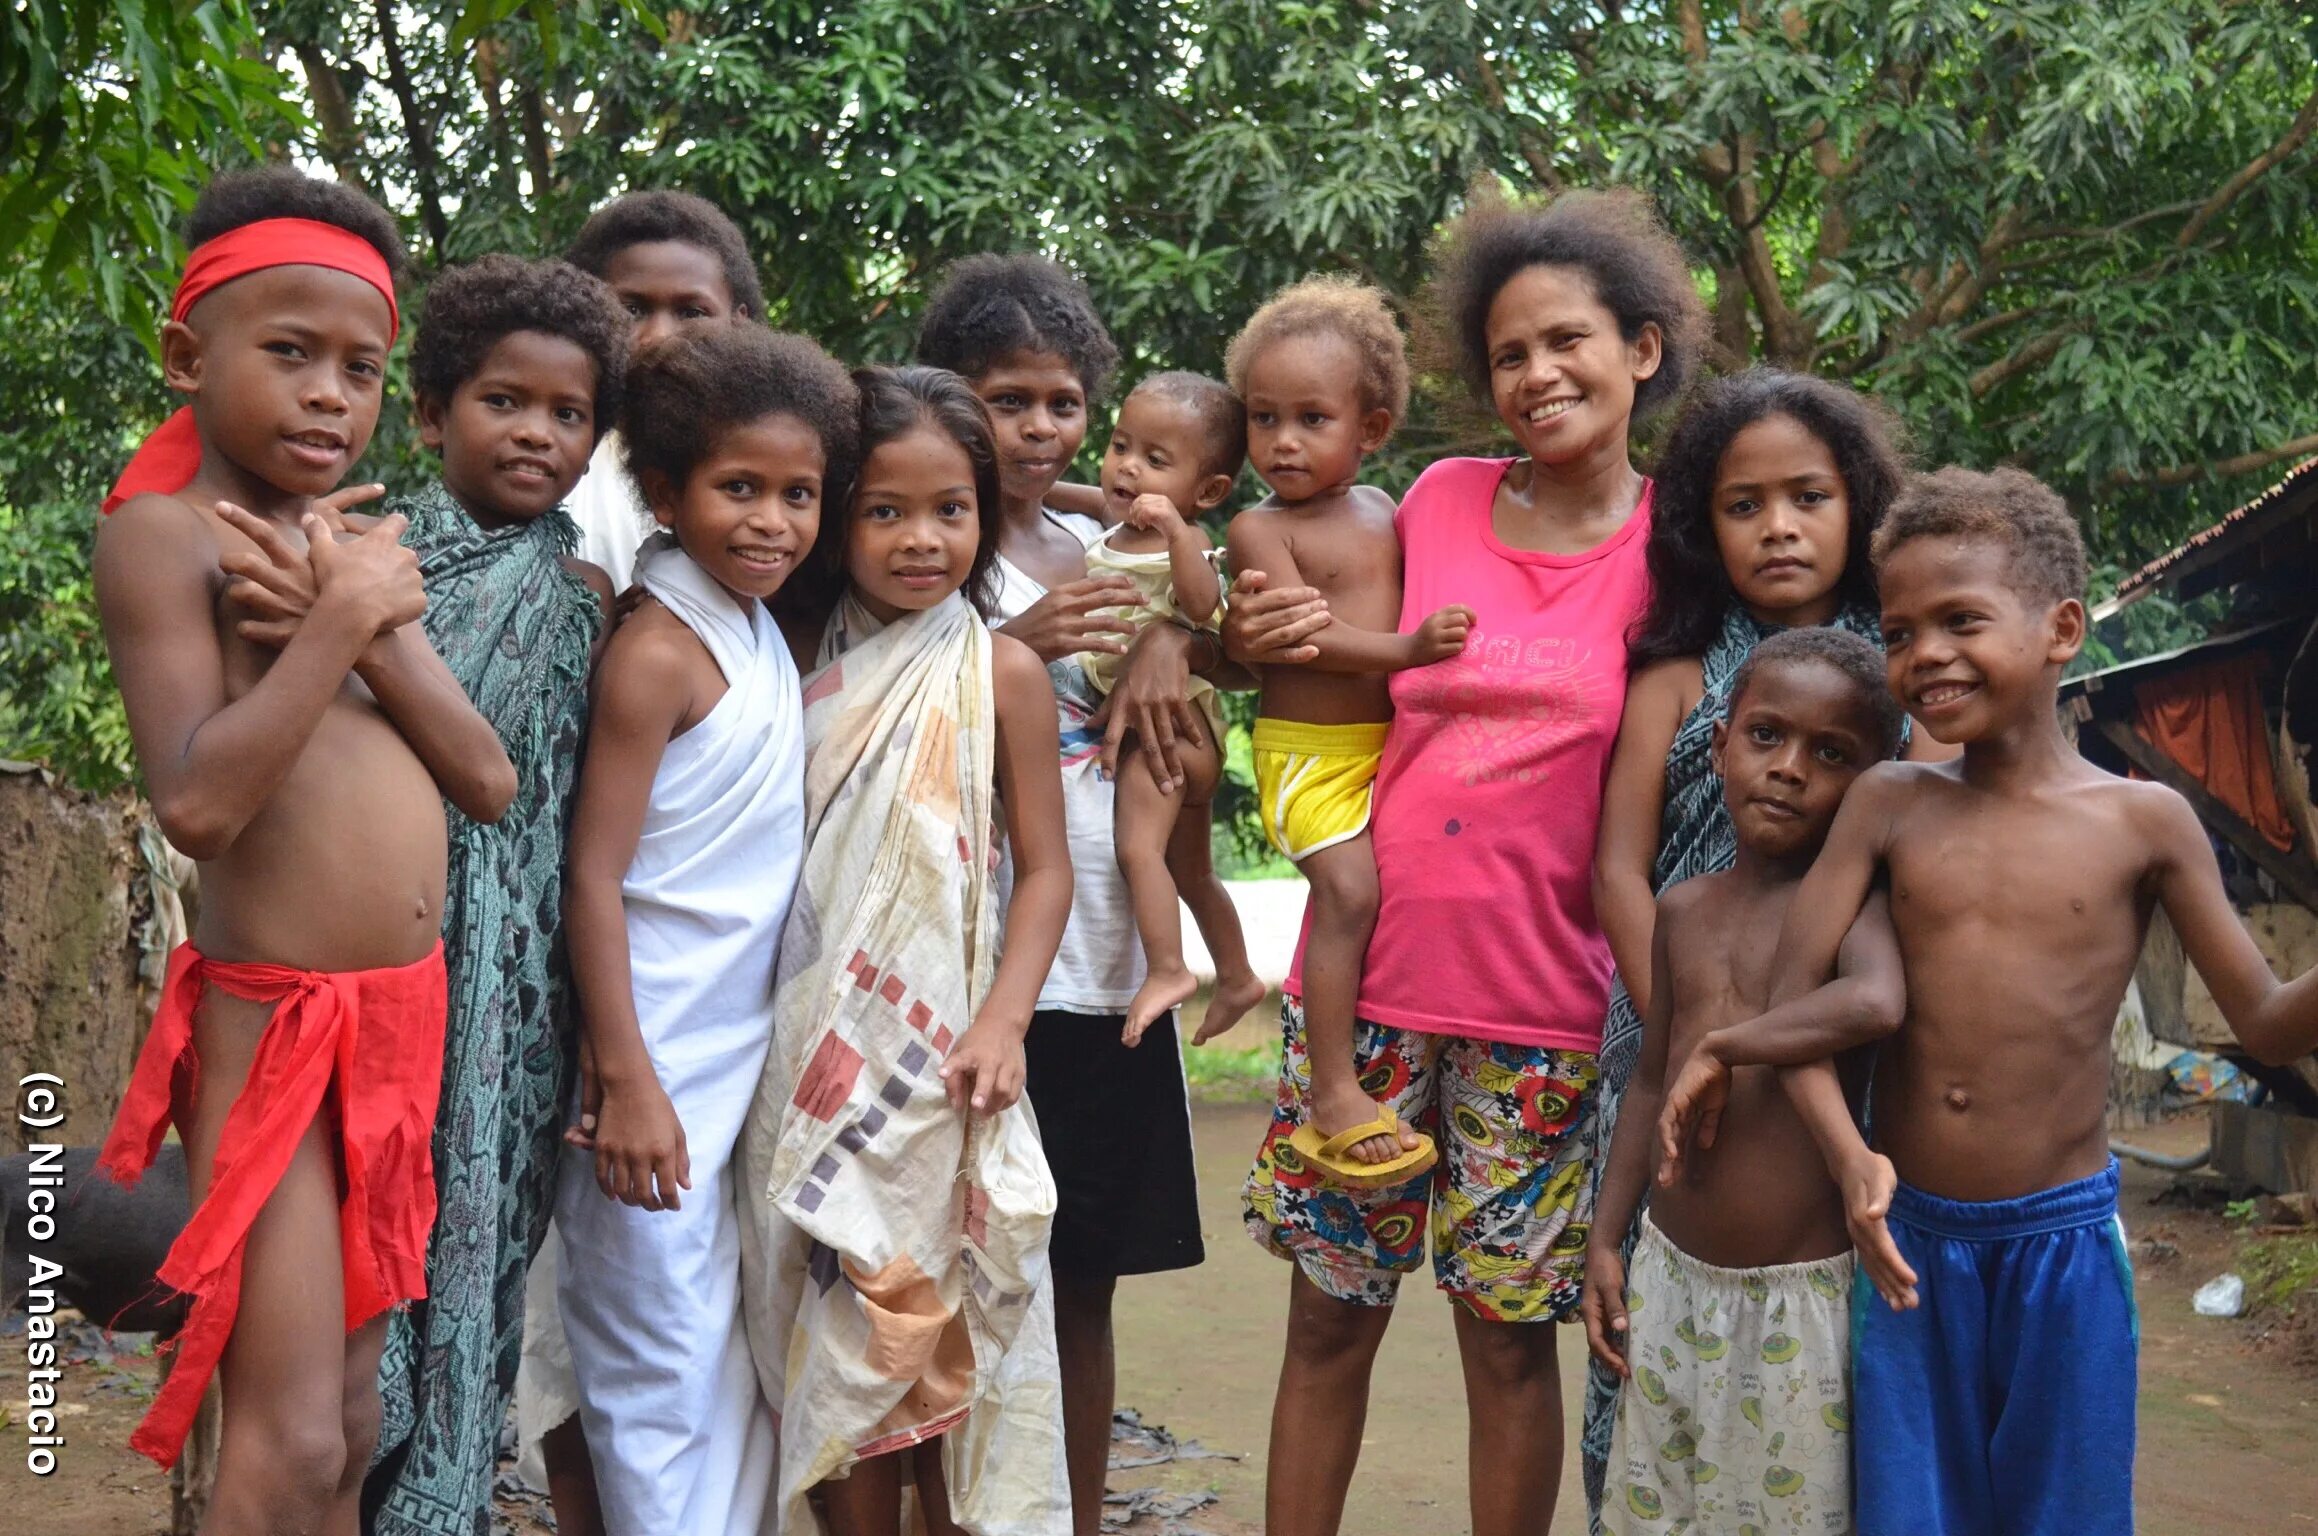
point(1731, 1328)
point(1324, 375)
point(299, 1041)
point(2022, 878)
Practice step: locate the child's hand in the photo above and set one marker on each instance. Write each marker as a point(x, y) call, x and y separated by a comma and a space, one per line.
point(1065, 621)
point(1602, 1303)
point(1154, 512)
point(641, 1159)
point(985, 1069)
point(1695, 1099)
point(1868, 1183)
point(372, 573)
point(276, 583)
point(591, 1098)
point(1442, 635)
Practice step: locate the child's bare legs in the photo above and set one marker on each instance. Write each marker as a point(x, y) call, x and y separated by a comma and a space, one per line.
point(1145, 826)
point(1191, 865)
point(1084, 1346)
point(571, 1480)
point(1320, 1409)
point(867, 1500)
point(301, 1394)
point(1344, 900)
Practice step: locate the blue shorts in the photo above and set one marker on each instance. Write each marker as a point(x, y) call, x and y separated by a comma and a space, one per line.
point(2002, 1405)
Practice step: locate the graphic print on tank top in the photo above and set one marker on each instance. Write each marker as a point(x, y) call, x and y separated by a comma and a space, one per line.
point(1508, 704)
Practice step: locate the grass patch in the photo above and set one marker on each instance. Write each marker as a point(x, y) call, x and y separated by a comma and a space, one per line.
point(2281, 1270)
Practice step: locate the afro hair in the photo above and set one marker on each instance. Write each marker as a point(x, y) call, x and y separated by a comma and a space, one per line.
point(2045, 549)
point(1852, 656)
point(989, 308)
point(1223, 421)
point(470, 308)
point(1690, 591)
point(1331, 304)
point(688, 391)
point(647, 218)
point(235, 198)
point(1613, 237)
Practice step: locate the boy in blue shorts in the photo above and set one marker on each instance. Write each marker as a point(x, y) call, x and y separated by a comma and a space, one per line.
point(1995, 1395)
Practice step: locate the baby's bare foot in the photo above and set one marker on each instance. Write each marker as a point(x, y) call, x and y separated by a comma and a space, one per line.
point(1161, 990)
point(1234, 996)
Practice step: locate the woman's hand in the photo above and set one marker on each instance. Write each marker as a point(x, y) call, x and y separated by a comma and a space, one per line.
point(1064, 622)
point(1152, 698)
point(641, 1159)
point(1269, 629)
point(985, 1071)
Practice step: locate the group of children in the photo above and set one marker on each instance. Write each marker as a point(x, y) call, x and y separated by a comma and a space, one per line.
point(779, 863)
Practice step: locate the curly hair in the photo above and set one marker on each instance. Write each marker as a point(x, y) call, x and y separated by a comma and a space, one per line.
point(1614, 237)
point(470, 308)
point(1853, 656)
point(1690, 590)
point(991, 307)
point(235, 198)
point(2046, 550)
point(1223, 421)
point(646, 218)
point(1331, 304)
point(687, 392)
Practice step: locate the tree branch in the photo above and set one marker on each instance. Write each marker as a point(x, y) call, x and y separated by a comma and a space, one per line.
point(334, 115)
point(422, 141)
point(2296, 135)
point(2239, 464)
point(2030, 354)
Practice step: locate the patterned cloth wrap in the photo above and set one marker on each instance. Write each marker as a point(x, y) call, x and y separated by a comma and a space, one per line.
point(1694, 838)
point(895, 1254)
point(516, 628)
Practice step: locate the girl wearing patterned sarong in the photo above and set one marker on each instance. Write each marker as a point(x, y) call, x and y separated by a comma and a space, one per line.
point(896, 1200)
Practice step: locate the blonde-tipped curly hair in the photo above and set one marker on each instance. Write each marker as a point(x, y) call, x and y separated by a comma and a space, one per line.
point(1331, 304)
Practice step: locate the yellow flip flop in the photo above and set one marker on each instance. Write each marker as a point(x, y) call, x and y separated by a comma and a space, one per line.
point(1328, 1155)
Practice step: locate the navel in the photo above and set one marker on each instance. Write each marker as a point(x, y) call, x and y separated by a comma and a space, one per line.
point(1959, 1100)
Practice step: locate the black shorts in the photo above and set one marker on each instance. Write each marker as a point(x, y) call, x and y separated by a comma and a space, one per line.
point(1117, 1128)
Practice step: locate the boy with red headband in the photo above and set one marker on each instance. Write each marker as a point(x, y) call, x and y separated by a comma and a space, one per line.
point(303, 763)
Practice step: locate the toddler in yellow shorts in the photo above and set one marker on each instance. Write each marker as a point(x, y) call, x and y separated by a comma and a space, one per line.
point(1315, 783)
point(1323, 372)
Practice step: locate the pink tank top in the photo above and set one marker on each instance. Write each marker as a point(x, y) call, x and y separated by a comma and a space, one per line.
point(1490, 795)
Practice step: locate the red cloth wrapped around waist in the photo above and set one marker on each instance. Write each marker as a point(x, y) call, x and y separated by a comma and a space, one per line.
point(376, 1037)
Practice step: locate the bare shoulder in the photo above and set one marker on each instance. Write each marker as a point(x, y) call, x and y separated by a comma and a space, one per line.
point(1671, 683)
point(1682, 901)
point(1372, 501)
point(1015, 667)
point(652, 647)
point(599, 581)
point(152, 525)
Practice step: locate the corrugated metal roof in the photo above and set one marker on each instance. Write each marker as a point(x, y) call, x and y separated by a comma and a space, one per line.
point(2213, 541)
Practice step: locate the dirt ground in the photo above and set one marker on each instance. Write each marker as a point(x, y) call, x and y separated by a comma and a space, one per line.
point(2227, 1414)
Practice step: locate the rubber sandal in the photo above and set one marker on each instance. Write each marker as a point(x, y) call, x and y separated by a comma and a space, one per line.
point(1329, 1155)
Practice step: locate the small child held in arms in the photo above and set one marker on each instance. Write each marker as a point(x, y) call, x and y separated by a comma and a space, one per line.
point(298, 737)
point(1996, 1393)
point(1731, 1324)
point(886, 1145)
point(517, 369)
point(1176, 448)
point(684, 855)
point(1323, 372)
point(676, 263)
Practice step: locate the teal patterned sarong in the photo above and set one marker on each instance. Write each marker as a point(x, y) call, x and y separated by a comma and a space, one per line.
point(516, 628)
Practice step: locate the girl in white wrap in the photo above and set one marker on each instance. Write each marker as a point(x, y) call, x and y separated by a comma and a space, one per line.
point(684, 853)
point(897, 1202)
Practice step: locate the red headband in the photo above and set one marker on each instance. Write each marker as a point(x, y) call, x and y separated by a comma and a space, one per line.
point(168, 459)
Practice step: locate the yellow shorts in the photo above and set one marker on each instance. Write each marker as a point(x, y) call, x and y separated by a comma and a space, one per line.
point(1314, 783)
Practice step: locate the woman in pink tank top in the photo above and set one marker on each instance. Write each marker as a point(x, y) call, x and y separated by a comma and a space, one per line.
point(1482, 999)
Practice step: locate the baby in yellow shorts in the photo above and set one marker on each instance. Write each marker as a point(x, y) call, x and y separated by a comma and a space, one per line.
point(1323, 372)
point(1177, 446)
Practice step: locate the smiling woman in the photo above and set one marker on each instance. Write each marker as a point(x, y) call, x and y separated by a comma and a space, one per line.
point(1567, 320)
